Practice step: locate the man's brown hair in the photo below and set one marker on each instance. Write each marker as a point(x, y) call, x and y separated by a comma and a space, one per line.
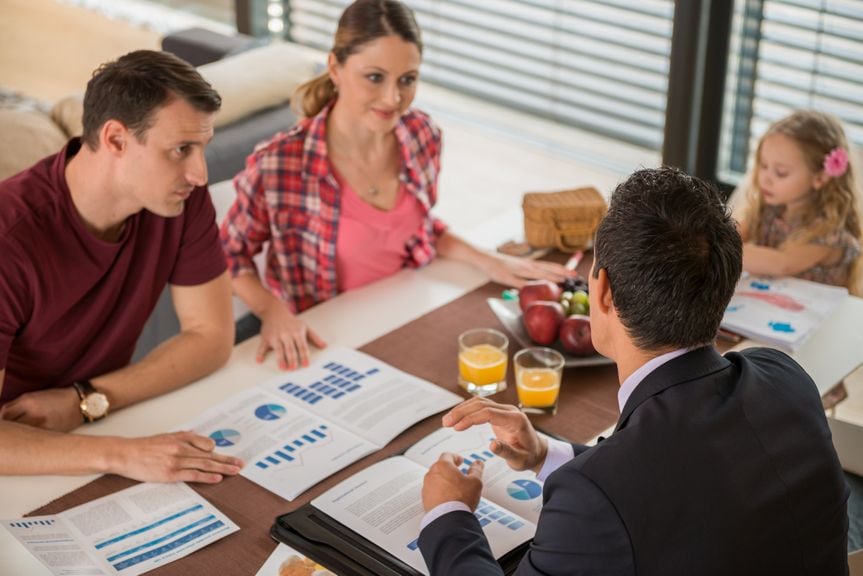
point(132, 88)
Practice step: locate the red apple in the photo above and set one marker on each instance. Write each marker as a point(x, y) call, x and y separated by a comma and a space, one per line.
point(575, 336)
point(537, 290)
point(542, 320)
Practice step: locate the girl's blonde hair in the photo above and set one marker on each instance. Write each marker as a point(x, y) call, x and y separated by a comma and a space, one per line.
point(836, 205)
point(362, 22)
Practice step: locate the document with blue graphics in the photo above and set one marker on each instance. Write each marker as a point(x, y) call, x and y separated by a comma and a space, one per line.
point(383, 503)
point(781, 312)
point(129, 532)
point(298, 428)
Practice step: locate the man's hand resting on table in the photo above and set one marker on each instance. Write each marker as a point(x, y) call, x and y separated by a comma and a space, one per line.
point(53, 409)
point(174, 457)
point(515, 441)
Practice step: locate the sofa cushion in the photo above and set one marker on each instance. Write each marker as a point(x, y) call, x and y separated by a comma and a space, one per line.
point(68, 113)
point(26, 136)
point(259, 79)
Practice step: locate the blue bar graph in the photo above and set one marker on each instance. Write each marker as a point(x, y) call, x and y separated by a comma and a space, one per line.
point(292, 449)
point(166, 548)
point(31, 523)
point(473, 457)
point(486, 513)
point(154, 525)
point(338, 383)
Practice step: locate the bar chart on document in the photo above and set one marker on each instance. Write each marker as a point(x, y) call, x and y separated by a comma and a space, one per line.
point(364, 395)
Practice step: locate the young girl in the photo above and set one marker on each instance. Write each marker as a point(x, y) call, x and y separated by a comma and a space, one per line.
point(801, 214)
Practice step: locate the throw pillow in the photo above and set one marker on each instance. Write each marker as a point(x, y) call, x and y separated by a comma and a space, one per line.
point(258, 79)
point(67, 113)
point(26, 136)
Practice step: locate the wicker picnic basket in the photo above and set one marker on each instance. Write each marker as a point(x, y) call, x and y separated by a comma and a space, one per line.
point(565, 220)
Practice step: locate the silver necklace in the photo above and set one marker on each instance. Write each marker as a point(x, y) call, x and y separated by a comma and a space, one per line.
point(373, 190)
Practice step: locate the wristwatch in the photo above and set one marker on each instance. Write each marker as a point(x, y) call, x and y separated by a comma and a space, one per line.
point(93, 404)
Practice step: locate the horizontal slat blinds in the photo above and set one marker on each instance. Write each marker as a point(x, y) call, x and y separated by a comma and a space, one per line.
point(809, 55)
point(598, 65)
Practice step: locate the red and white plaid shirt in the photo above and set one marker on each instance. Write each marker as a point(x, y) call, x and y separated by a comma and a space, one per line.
point(288, 195)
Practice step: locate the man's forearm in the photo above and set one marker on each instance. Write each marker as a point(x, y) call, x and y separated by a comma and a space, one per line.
point(173, 457)
point(25, 450)
point(202, 346)
point(176, 362)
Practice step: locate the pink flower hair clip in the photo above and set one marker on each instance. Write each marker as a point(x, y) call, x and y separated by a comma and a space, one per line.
point(836, 162)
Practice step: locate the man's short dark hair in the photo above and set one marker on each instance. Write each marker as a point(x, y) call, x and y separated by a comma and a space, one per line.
point(132, 88)
point(673, 256)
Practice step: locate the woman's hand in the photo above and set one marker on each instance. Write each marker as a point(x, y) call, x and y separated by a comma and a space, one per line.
point(516, 272)
point(502, 269)
point(287, 336)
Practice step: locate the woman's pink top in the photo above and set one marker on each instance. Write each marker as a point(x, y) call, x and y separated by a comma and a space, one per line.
point(373, 243)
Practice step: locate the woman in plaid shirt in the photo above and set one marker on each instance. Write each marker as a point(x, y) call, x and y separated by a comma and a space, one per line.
point(344, 198)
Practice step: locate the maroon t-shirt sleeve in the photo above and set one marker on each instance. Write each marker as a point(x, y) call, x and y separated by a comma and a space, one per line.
point(200, 258)
point(15, 305)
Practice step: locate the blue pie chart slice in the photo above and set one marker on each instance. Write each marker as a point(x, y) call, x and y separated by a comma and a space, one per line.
point(226, 437)
point(524, 489)
point(270, 411)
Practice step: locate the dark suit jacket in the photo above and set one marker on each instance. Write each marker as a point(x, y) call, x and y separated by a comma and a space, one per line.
point(717, 466)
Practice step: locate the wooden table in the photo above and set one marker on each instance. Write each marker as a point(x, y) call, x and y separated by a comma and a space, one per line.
point(426, 347)
point(410, 321)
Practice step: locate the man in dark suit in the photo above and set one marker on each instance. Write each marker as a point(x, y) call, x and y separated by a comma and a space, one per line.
point(718, 465)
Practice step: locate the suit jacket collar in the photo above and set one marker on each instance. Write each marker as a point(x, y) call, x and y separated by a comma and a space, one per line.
point(693, 365)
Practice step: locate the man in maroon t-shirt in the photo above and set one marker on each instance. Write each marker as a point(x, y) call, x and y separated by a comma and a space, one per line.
point(89, 238)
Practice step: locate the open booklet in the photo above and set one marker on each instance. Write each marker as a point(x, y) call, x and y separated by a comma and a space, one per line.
point(298, 428)
point(382, 503)
point(128, 532)
point(782, 312)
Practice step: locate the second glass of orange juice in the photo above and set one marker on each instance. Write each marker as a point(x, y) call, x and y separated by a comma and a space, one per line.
point(538, 372)
point(482, 360)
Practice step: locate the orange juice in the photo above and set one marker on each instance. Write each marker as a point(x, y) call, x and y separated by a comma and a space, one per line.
point(537, 387)
point(482, 364)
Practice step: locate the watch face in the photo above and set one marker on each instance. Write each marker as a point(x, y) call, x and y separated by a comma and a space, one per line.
point(96, 405)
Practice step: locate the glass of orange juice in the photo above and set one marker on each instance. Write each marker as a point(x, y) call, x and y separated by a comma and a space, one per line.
point(482, 359)
point(537, 379)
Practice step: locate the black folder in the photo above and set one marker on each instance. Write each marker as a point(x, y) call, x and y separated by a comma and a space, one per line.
point(318, 536)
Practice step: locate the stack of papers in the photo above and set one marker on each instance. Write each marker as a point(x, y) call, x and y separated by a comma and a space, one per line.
point(781, 312)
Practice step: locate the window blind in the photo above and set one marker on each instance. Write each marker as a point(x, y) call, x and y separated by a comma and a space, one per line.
point(805, 54)
point(600, 65)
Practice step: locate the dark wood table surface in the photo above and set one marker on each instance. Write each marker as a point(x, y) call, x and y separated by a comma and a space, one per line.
point(426, 347)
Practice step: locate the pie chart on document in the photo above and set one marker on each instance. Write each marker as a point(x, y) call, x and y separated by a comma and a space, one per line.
point(524, 489)
point(226, 437)
point(270, 411)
